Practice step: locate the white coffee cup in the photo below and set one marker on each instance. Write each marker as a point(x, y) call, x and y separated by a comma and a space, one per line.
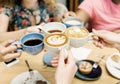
point(54, 42)
point(78, 36)
point(53, 27)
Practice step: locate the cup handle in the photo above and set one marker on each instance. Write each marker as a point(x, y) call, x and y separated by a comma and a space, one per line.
point(20, 49)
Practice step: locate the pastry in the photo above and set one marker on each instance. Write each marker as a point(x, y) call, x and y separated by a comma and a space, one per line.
point(85, 67)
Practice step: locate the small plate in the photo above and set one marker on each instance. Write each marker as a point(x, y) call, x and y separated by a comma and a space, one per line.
point(25, 78)
point(94, 75)
point(114, 71)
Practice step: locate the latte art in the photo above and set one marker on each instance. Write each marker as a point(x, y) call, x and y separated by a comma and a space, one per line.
point(76, 32)
point(56, 40)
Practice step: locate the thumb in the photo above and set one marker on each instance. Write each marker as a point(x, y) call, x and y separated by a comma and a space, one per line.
point(61, 57)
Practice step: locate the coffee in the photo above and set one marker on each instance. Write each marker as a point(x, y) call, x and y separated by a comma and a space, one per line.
point(76, 32)
point(78, 36)
point(56, 40)
point(33, 42)
point(54, 31)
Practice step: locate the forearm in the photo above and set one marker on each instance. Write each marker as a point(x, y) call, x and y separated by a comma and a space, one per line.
point(12, 35)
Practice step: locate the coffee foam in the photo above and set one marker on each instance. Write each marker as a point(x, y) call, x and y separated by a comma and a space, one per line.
point(73, 22)
point(76, 32)
point(56, 40)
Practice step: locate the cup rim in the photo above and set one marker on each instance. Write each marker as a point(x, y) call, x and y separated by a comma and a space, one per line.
point(30, 34)
point(72, 18)
point(115, 64)
point(54, 23)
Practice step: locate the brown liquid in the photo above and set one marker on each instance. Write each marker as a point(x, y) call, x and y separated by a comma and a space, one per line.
point(54, 31)
point(32, 42)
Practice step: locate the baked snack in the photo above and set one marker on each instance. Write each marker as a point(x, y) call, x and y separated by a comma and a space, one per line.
point(85, 67)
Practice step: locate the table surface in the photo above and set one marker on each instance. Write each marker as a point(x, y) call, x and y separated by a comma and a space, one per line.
point(36, 63)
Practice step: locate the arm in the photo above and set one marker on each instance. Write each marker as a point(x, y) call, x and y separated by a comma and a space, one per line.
point(4, 22)
point(83, 15)
point(17, 34)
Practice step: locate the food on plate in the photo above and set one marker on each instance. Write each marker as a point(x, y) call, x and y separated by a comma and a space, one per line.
point(85, 67)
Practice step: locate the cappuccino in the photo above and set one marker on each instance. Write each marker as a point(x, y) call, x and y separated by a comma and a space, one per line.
point(76, 32)
point(53, 42)
point(78, 36)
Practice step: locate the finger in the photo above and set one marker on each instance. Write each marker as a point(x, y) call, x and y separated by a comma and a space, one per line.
point(61, 57)
point(97, 33)
point(7, 43)
point(54, 65)
point(70, 57)
point(54, 62)
point(98, 44)
point(95, 37)
point(12, 55)
point(8, 49)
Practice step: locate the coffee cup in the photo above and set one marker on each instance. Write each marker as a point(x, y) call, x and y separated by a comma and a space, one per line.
point(54, 42)
point(52, 27)
point(31, 43)
point(72, 21)
point(78, 36)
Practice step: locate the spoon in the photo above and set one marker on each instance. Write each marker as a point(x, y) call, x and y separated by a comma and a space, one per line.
point(29, 69)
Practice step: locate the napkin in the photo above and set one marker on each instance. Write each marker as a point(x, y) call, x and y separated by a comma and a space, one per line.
point(80, 53)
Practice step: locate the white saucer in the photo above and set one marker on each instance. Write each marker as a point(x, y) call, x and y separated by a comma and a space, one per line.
point(112, 69)
point(24, 78)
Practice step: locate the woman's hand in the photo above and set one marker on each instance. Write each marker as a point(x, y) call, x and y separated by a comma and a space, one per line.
point(66, 68)
point(7, 51)
point(106, 38)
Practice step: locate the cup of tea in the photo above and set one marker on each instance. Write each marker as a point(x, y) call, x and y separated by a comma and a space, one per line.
point(54, 42)
point(52, 27)
point(78, 36)
point(72, 21)
point(31, 43)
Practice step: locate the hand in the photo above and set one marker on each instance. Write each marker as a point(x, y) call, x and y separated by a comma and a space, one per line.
point(66, 70)
point(33, 29)
point(104, 37)
point(66, 15)
point(7, 51)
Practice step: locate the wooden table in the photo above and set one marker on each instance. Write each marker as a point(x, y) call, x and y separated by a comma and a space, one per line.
point(36, 63)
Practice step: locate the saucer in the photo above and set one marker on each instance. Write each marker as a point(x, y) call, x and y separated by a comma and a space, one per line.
point(94, 75)
point(24, 78)
point(115, 72)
